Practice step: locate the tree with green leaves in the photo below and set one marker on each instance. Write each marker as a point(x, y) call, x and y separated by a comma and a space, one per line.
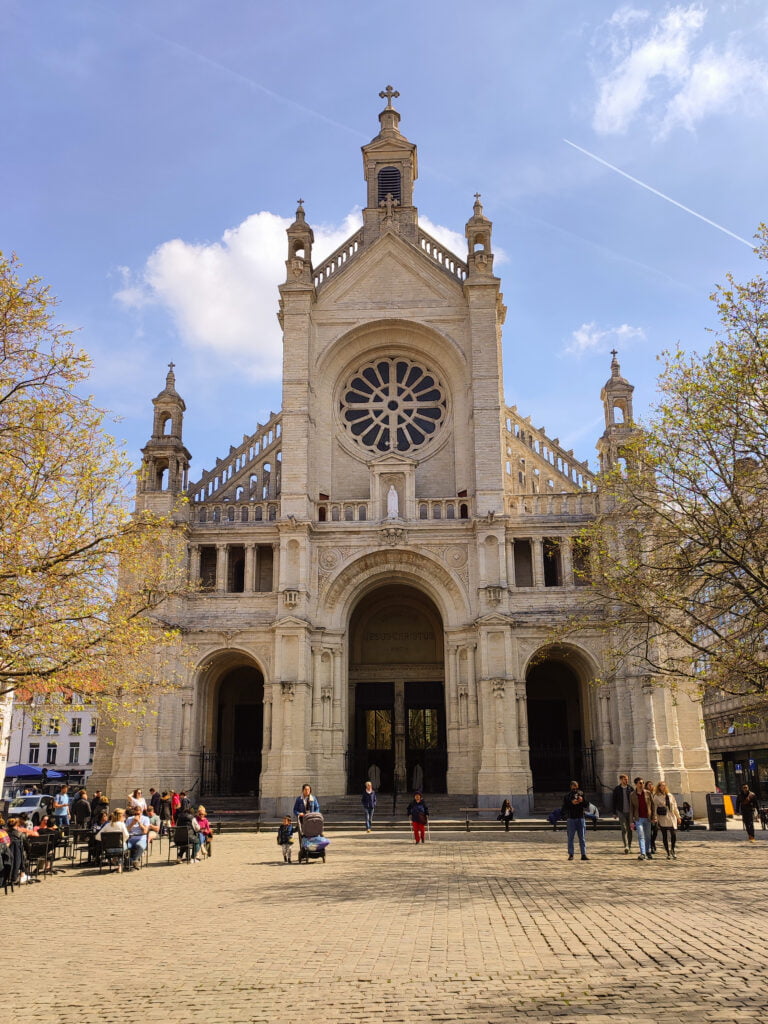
point(679, 551)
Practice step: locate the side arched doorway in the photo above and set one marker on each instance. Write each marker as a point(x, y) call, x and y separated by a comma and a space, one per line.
point(396, 705)
point(231, 759)
point(557, 736)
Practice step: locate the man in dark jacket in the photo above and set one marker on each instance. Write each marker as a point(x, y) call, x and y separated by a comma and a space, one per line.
point(621, 795)
point(81, 809)
point(574, 805)
point(746, 805)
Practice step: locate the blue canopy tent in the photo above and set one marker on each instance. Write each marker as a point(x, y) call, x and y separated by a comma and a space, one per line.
point(30, 771)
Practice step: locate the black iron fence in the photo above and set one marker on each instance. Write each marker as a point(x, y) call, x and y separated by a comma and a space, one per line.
point(554, 765)
point(231, 774)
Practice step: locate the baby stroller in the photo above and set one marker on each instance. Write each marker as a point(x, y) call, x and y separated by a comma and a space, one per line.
point(312, 842)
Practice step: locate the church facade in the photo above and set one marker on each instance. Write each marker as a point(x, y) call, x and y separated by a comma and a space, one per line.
point(381, 564)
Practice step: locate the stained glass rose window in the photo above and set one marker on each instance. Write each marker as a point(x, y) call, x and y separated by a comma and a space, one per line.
point(393, 405)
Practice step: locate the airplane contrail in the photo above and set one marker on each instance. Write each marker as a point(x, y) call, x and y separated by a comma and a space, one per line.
point(253, 84)
point(656, 192)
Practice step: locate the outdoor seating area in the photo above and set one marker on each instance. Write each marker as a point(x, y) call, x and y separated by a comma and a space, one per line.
point(46, 835)
point(33, 858)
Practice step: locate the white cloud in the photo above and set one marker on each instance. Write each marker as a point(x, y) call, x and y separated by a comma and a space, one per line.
point(665, 53)
point(223, 295)
point(589, 338)
point(670, 76)
point(627, 15)
point(717, 84)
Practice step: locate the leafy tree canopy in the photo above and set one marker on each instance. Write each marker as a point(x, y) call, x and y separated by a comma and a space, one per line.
point(680, 549)
point(81, 580)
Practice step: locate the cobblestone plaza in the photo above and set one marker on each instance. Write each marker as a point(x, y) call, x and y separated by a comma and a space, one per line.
point(473, 928)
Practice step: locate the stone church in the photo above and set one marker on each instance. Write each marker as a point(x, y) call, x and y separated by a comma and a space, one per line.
point(381, 564)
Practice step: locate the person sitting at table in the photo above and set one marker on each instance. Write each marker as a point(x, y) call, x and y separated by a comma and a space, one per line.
point(116, 823)
point(24, 826)
point(206, 833)
point(94, 846)
point(185, 818)
point(154, 824)
point(48, 827)
point(138, 827)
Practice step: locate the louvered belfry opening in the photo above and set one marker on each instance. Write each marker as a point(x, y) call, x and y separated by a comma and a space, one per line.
point(389, 183)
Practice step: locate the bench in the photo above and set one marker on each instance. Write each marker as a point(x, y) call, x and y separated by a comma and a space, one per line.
point(476, 810)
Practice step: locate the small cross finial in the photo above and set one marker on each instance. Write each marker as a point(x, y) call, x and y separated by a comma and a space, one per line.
point(477, 196)
point(389, 94)
point(614, 353)
point(300, 202)
point(171, 366)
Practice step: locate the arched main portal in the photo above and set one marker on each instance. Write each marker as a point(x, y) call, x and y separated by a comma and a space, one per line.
point(556, 726)
point(232, 752)
point(396, 692)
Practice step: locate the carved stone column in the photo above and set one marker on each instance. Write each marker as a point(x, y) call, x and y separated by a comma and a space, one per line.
point(185, 740)
point(652, 741)
point(521, 696)
point(194, 564)
point(288, 695)
point(509, 548)
point(452, 683)
point(221, 568)
point(472, 683)
point(317, 667)
point(566, 561)
point(537, 560)
point(249, 584)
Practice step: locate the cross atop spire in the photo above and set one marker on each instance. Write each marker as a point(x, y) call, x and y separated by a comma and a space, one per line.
point(477, 196)
point(614, 353)
point(389, 94)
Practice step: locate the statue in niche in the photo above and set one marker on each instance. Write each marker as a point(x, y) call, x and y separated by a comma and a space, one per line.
point(393, 503)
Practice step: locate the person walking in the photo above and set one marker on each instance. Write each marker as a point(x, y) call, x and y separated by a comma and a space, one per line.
point(574, 806)
point(641, 814)
point(746, 805)
point(650, 789)
point(306, 803)
point(668, 816)
point(368, 801)
point(285, 838)
point(621, 795)
point(418, 812)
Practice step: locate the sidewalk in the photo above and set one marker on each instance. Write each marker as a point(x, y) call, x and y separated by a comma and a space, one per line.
point(473, 928)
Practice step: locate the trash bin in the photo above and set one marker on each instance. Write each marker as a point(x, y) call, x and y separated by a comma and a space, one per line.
point(716, 812)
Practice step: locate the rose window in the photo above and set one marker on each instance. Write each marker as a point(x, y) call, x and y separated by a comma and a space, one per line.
point(393, 405)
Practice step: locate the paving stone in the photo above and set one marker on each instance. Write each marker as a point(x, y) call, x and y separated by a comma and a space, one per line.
point(470, 928)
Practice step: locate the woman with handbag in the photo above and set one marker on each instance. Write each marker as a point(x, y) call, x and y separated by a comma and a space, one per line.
point(668, 817)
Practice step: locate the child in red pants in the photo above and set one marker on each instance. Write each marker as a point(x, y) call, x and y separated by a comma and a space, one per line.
point(419, 813)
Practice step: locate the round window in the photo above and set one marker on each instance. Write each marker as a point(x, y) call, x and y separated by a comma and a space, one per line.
point(393, 405)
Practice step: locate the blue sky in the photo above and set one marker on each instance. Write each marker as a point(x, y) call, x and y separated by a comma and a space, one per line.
point(154, 154)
